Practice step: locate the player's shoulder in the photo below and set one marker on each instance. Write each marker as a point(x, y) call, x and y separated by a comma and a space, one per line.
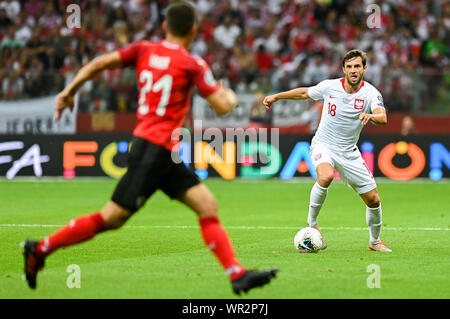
point(194, 63)
point(199, 61)
point(145, 43)
point(331, 82)
point(187, 58)
point(328, 83)
point(371, 89)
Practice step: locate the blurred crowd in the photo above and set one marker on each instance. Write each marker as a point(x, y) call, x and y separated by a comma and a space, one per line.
point(252, 45)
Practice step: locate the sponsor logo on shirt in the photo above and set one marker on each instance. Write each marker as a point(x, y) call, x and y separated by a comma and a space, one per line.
point(347, 101)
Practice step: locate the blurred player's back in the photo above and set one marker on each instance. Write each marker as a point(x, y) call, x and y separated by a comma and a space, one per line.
point(166, 73)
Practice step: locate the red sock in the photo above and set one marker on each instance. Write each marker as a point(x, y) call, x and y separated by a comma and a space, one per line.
point(76, 231)
point(216, 238)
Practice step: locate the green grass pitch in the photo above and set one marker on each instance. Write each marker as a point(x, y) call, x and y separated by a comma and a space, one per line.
point(159, 253)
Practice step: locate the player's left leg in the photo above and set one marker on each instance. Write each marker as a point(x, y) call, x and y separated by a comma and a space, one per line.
point(202, 202)
point(374, 219)
point(200, 199)
point(182, 184)
point(355, 173)
point(373, 214)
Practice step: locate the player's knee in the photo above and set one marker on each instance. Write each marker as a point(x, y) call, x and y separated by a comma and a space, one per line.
point(209, 208)
point(117, 219)
point(325, 180)
point(373, 201)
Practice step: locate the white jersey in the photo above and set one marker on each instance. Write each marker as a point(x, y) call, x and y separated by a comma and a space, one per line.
point(340, 125)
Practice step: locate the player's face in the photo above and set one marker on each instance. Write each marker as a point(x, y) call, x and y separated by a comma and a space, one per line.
point(354, 71)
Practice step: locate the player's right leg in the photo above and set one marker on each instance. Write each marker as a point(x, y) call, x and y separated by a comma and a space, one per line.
point(324, 165)
point(202, 202)
point(319, 191)
point(129, 195)
point(325, 175)
point(78, 230)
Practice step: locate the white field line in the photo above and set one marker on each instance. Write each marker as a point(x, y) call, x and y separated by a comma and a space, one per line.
point(241, 227)
point(295, 180)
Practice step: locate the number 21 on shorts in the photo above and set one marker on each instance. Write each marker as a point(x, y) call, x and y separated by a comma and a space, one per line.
point(331, 109)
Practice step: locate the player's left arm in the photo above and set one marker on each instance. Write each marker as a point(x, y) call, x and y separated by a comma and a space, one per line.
point(223, 100)
point(66, 97)
point(220, 98)
point(379, 117)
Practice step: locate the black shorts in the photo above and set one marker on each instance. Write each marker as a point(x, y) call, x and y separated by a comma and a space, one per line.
point(150, 167)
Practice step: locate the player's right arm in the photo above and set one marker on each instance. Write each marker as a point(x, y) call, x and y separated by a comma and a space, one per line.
point(66, 97)
point(295, 94)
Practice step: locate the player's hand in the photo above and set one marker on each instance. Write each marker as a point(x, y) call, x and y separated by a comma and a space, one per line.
point(365, 118)
point(230, 95)
point(63, 100)
point(268, 100)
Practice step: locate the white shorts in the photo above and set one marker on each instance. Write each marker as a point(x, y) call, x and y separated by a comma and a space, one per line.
point(350, 166)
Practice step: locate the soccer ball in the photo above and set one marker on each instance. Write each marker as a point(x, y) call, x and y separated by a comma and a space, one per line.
point(311, 239)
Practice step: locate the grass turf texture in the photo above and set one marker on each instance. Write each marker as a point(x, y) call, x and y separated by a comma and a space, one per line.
point(160, 254)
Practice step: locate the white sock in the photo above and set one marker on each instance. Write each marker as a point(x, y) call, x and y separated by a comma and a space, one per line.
point(317, 197)
point(374, 221)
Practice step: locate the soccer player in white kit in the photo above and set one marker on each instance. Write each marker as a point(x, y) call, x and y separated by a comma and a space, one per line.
point(349, 104)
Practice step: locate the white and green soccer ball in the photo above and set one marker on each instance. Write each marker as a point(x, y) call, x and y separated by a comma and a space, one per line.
point(311, 239)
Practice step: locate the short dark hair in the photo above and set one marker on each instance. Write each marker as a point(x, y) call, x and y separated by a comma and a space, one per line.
point(180, 18)
point(353, 54)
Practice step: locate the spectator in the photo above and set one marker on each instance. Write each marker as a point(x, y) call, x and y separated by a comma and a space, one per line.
point(34, 85)
point(13, 86)
point(34, 8)
point(407, 126)
point(259, 116)
point(311, 115)
point(50, 19)
point(246, 42)
point(229, 10)
point(316, 70)
point(374, 69)
point(5, 22)
point(270, 40)
point(23, 31)
point(227, 33)
point(204, 7)
point(434, 50)
point(264, 59)
point(10, 40)
point(12, 8)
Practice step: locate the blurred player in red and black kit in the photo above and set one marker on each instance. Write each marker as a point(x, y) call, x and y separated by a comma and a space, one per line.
point(166, 73)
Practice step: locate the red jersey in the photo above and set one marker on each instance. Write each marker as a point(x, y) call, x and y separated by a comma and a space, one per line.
point(165, 74)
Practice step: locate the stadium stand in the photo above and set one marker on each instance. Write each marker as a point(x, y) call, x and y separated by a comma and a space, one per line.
point(267, 45)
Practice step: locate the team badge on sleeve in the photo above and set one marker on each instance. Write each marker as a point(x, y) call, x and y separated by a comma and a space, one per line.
point(209, 78)
point(380, 99)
